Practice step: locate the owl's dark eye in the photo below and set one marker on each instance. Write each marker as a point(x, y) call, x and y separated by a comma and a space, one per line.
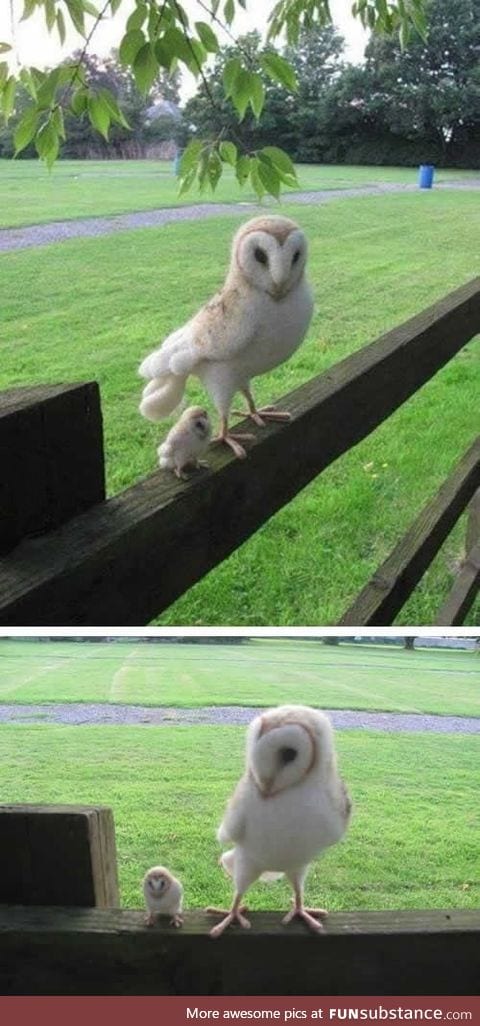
point(296, 256)
point(260, 255)
point(287, 755)
point(199, 425)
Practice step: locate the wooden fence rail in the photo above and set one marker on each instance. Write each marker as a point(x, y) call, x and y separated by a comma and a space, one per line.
point(125, 559)
point(96, 951)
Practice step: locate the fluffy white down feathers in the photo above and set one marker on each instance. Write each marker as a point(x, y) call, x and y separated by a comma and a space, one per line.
point(252, 325)
point(163, 895)
point(186, 442)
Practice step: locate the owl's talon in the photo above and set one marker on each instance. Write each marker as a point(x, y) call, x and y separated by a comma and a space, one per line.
point(176, 920)
point(232, 441)
point(230, 918)
point(270, 413)
point(303, 913)
point(150, 919)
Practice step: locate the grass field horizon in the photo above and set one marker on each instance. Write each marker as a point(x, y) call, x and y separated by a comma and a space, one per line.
point(92, 308)
point(260, 672)
point(30, 194)
point(413, 841)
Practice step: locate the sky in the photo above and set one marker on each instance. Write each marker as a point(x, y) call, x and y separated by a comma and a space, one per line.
point(35, 46)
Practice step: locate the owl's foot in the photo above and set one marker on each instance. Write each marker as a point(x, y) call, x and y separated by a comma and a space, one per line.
point(308, 916)
point(235, 916)
point(234, 443)
point(176, 920)
point(266, 413)
point(151, 919)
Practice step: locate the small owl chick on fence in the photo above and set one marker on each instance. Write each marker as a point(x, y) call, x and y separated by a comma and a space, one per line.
point(186, 442)
point(163, 895)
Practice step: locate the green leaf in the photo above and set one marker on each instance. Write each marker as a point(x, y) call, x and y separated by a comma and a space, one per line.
point(242, 169)
point(257, 94)
point(26, 129)
point(28, 9)
point(90, 8)
point(279, 70)
point(145, 68)
point(47, 143)
point(130, 46)
point(190, 157)
point(114, 5)
point(58, 122)
point(3, 72)
point(230, 72)
point(111, 104)
point(8, 97)
point(99, 114)
point(257, 184)
point(228, 152)
point(137, 17)
point(241, 91)
point(46, 91)
point(5, 47)
point(50, 14)
point(79, 101)
point(77, 14)
point(187, 181)
point(229, 11)
point(177, 45)
point(61, 26)
point(207, 36)
point(268, 175)
point(214, 170)
point(281, 160)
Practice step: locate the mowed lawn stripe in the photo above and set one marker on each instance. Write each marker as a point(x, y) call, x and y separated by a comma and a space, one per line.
point(183, 675)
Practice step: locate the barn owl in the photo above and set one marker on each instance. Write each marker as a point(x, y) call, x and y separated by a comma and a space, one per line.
point(163, 895)
point(289, 805)
point(255, 323)
point(186, 442)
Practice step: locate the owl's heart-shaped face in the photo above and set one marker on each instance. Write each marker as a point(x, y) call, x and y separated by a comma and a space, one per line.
point(281, 757)
point(272, 262)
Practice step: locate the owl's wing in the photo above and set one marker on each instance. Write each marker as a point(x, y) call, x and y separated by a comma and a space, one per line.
point(232, 827)
point(218, 331)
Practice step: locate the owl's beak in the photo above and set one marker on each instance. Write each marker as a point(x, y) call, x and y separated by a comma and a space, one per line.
point(267, 785)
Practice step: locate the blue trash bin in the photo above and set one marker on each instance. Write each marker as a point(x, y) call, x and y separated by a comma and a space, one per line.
point(425, 177)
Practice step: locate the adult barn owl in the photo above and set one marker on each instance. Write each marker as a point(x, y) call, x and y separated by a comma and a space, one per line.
point(186, 442)
point(255, 323)
point(289, 805)
point(163, 895)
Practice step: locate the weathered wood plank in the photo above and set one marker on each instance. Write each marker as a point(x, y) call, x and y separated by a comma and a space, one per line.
point(472, 535)
point(65, 951)
point(387, 591)
point(129, 558)
point(463, 592)
point(58, 855)
point(52, 457)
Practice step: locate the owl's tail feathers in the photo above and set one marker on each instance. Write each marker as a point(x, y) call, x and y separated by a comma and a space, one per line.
point(161, 396)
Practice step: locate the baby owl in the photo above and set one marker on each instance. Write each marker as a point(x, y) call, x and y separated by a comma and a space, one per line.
point(255, 323)
point(163, 895)
point(186, 442)
point(290, 804)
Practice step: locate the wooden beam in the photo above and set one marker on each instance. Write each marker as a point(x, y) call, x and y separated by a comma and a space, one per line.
point(465, 588)
point(67, 951)
point(472, 536)
point(52, 457)
point(387, 591)
point(58, 855)
point(126, 560)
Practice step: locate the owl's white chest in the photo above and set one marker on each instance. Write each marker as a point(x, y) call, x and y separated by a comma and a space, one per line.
point(276, 328)
point(288, 830)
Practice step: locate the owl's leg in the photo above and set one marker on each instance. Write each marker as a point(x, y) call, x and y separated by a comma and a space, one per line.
point(150, 919)
point(176, 920)
point(298, 908)
point(234, 916)
point(260, 416)
point(233, 440)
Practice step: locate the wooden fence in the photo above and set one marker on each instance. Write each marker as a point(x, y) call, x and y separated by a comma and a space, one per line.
point(56, 942)
point(70, 556)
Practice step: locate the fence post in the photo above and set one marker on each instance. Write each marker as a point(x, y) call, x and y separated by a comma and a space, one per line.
point(472, 536)
point(51, 446)
point(58, 855)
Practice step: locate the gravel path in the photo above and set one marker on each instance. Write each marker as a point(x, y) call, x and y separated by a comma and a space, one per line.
point(77, 714)
point(59, 231)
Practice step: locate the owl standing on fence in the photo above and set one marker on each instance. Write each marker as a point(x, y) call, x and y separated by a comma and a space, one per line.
point(255, 323)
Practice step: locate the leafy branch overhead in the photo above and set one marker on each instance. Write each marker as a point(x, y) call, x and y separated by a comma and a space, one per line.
point(160, 36)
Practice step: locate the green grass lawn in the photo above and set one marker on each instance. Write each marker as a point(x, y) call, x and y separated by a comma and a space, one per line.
point(93, 308)
point(257, 673)
point(413, 842)
point(29, 194)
